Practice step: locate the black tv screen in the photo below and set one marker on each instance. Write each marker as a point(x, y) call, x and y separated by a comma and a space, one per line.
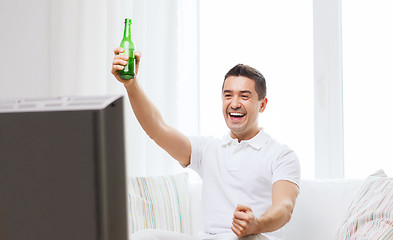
point(62, 169)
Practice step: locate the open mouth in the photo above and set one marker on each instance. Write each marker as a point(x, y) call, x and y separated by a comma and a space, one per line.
point(236, 115)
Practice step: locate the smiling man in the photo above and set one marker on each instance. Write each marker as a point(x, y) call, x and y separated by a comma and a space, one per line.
point(242, 103)
point(250, 181)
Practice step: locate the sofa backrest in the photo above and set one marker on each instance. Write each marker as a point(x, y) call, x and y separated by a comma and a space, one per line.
point(320, 208)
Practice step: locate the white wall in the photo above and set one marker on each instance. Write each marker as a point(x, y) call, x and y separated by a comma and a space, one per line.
point(24, 42)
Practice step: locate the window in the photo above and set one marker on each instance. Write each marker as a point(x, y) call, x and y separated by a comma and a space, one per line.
point(276, 37)
point(367, 86)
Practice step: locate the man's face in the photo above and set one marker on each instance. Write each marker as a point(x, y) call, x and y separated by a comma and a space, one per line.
point(241, 107)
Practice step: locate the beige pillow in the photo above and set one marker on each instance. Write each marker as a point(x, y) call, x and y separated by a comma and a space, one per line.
point(161, 202)
point(370, 215)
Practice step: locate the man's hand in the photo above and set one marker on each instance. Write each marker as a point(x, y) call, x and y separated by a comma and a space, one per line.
point(119, 61)
point(284, 195)
point(244, 221)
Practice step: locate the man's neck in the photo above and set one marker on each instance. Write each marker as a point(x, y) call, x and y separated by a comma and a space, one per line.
point(246, 136)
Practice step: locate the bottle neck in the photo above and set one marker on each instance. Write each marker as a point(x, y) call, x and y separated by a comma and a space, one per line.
point(127, 29)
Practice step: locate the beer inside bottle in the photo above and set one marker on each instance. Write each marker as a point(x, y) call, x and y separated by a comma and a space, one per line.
point(129, 70)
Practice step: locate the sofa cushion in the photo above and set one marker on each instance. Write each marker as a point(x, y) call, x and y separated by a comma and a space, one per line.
point(370, 214)
point(159, 202)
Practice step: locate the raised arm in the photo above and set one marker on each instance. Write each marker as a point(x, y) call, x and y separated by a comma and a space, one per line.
point(283, 202)
point(149, 117)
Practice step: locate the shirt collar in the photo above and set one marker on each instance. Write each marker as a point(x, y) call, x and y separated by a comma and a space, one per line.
point(256, 142)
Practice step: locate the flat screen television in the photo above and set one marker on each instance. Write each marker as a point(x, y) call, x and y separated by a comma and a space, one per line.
point(62, 169)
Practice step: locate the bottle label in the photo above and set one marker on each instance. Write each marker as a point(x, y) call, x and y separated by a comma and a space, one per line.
point(130, 62)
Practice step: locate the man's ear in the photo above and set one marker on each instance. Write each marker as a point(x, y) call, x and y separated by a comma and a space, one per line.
point(263, 105)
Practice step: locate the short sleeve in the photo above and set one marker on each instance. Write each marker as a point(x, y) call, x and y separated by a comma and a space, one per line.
point(286, 167)
point(197, 145)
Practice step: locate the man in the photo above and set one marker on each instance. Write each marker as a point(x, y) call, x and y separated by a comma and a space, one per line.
point(250, 181)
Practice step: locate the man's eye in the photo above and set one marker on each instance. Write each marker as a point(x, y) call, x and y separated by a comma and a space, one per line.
point(227, 95)
point(245, 96)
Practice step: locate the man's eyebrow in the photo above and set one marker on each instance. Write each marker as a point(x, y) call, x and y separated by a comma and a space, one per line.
point(242, 91)
point(246, 91)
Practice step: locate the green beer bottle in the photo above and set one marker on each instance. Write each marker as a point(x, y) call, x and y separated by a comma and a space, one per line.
point(129, 70)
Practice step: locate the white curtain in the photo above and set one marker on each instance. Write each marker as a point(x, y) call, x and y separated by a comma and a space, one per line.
point(83, 35)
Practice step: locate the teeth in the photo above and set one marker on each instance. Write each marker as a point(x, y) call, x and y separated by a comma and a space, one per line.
point(236, 114)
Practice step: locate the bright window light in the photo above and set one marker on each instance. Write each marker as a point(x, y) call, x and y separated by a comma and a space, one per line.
point(367, 84)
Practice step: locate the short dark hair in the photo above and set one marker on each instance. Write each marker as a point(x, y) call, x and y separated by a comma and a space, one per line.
point(252, 73)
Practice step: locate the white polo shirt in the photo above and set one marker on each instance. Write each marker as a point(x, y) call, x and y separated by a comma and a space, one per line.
point(239, 173)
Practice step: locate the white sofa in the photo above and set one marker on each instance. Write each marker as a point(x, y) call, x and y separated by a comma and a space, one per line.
point(366, 206)
point(320, 208)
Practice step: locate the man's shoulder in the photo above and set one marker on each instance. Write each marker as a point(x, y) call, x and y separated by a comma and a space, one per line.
point(277, 148)
point(273, 142)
